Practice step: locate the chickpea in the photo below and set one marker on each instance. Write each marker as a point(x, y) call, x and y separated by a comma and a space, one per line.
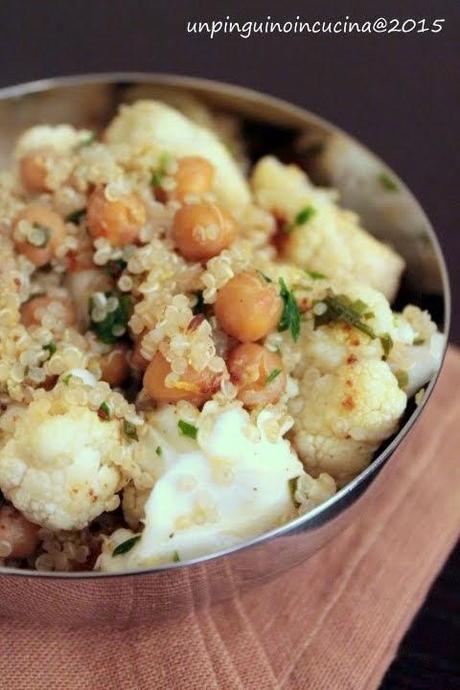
point(114, 366)
point(194, 176)
point(257, 373)
point(33, 169)
point(119, 221)
point(16, 530)
point(53, 229)
point(33, 311)
point(248, 307)
point(137, 360)
point(202, 231)
point(195, 386)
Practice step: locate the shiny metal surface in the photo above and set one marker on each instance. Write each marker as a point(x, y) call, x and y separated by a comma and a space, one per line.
point(330, 157)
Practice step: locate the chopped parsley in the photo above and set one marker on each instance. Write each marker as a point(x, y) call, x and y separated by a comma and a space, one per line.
point(115, 267)
point(158, 451)
point(130, 430)
point(199, 305)
point(272, 376)
point(290, 318)
point(104, 412)
point(114, 324)
point(176, 557)
point(342, 308)
point(387, 182)
point(187, 429)
point(159, 174)
point(266, 278)
point(315, 275)
point(51, 348)
point(90, 139)
point(387, 344)
point(66, 379)
point(302, 217)
point(402, 378)
point(76, 216)
point(125, 546)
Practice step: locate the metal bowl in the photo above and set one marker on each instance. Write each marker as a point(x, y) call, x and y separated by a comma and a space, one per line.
point(331, 157)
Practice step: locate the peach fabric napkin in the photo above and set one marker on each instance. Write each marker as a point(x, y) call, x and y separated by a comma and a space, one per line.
point(333, 623)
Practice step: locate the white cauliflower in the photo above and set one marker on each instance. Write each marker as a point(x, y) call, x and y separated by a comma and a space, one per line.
point(60, 464)
point(153, 122)
point(311, 492)
point(330, 240)
point(341, 417)
point(62, 138)
point(230, 484)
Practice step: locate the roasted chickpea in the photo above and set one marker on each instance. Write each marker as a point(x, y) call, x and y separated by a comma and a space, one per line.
point(49, 229)
point(33, 311)
point(33, 169)
point(194, 176)
point(17, 531)
point(114, 366)
point(202, 231)
point(119, 221)
point(257, 373)
point(248, 307)
point(195, 386)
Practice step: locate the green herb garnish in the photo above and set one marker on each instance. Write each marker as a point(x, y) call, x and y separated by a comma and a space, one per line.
point(130, 430)
point(76, 216)
point(302, 217)
point(266, 278)
point(387, 182)
point(387, 344)
point(199, 305)
point(158, 451)
point(104, 412)
point(315, 275)
point(66, 379)
point(272, 376)
point(114, 325)
point(158, 175)
point(187, 429)
point(402, 378)
point(290, 318)
point(419, 341)
point(90, 139)
point(342, 308)
point(125, 546)
point(176, 557)
point(50, 347)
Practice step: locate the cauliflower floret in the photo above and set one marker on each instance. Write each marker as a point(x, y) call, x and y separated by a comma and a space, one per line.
point(342, 417)
point(416, 359)
point(58, 463)
point(331, 240)
point(63, 138)
point(311, 492)
point(229, 484)
point(155, 122)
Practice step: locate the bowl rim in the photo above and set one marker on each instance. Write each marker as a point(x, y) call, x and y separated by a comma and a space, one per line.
point(249, 95)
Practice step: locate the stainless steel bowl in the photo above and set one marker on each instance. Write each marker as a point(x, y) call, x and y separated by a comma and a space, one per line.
point(331, 157)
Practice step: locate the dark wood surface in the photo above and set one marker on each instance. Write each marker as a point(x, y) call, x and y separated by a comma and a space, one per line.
point(397, 93)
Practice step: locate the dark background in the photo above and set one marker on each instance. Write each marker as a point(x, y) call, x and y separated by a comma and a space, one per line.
point(398, 93)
